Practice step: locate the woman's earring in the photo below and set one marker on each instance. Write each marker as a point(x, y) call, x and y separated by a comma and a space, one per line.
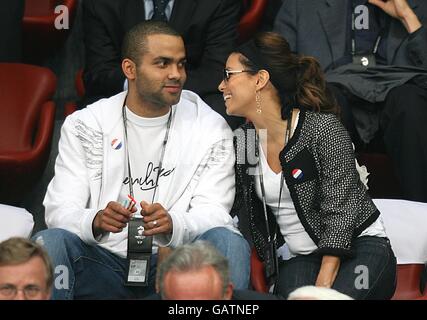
point(258, 102)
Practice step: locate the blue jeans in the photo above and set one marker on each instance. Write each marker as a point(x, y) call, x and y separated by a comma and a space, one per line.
point(96, 273)
point(370, 274)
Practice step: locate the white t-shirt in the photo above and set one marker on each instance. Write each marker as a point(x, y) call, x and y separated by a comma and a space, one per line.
point(145, 140)
point(298, 240)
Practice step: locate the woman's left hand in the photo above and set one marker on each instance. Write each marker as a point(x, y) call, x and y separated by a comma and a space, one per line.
point(328, 271)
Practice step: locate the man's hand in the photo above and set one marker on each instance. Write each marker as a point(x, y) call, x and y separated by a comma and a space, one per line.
point(157, 219)
point(112, 219)
point(401, 10)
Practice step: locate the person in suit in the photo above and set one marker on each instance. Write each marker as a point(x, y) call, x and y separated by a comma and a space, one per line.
point(11, 13)
point(209, 29)
point(198, 271)
point(386, 98)
point(296, 176)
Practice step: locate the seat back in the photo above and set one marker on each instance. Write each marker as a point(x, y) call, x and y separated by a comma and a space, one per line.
point(408, 282)
point(36, 8)
point(257, 273)
point(251, 19)
point(23, 90)
point(40, 36)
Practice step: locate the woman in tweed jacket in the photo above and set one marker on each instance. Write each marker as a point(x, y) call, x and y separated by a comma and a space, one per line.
point(296, 178)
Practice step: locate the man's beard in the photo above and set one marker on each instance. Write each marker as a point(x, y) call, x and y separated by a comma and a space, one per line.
point(158, 99)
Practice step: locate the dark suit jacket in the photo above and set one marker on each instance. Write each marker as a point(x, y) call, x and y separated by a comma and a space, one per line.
point(318, 28)
point(11, 13)
point(209, 29)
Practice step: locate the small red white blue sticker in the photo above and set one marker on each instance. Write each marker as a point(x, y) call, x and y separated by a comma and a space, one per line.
point(297, 174)
point(116, 144)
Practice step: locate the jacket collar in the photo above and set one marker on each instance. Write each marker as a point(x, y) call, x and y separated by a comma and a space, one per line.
point(332, 21)
point(108, 112)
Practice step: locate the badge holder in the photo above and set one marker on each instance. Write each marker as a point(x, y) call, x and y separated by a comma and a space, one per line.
point(139, 254)
point(367, 60)
point(271, 262)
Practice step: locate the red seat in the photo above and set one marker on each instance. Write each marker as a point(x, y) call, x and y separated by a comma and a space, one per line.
point(78, 82)
point(408, 282)
point(251, 19)
point(70, 107)
point(257, 273)
point(26, 127)
point(40, 37)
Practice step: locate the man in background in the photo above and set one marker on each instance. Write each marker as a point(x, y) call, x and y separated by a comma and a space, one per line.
point(25, 271)
point(375, 57)
point(208, 27)
point(197, 271)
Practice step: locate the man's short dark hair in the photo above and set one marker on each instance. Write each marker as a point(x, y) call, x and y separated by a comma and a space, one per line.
point(135, 41)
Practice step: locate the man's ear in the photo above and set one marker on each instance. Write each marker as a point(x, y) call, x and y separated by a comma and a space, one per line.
point(263, 78)
point(129, 69)
point(229, 292)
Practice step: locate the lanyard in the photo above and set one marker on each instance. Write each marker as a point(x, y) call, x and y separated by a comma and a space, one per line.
point(353, 35)
point(282, 178)
point(160, 167)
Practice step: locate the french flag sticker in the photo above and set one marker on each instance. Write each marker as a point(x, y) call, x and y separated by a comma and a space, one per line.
point(116, 144)
point(297, 174)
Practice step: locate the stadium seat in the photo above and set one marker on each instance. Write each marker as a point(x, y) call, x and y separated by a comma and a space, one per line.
point(40, 36)
point(253, 11)
point(26, 127)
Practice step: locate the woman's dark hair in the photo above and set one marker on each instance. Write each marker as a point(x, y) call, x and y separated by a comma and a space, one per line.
point(298, 79)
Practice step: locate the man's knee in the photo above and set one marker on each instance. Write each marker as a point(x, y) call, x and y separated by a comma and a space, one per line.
point(54, 239)
point(225, 240)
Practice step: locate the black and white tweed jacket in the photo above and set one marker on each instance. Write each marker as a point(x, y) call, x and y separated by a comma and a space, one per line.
point(331, 201)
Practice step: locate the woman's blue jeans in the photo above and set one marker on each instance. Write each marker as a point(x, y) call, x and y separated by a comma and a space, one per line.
point(370, 274)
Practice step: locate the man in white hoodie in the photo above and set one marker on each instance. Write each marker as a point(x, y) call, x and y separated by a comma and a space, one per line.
point(156, 142)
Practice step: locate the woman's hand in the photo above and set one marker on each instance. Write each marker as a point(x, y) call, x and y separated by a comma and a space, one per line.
point(328, 271)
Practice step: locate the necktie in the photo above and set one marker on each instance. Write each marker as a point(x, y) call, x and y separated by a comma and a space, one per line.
point(159, 10)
